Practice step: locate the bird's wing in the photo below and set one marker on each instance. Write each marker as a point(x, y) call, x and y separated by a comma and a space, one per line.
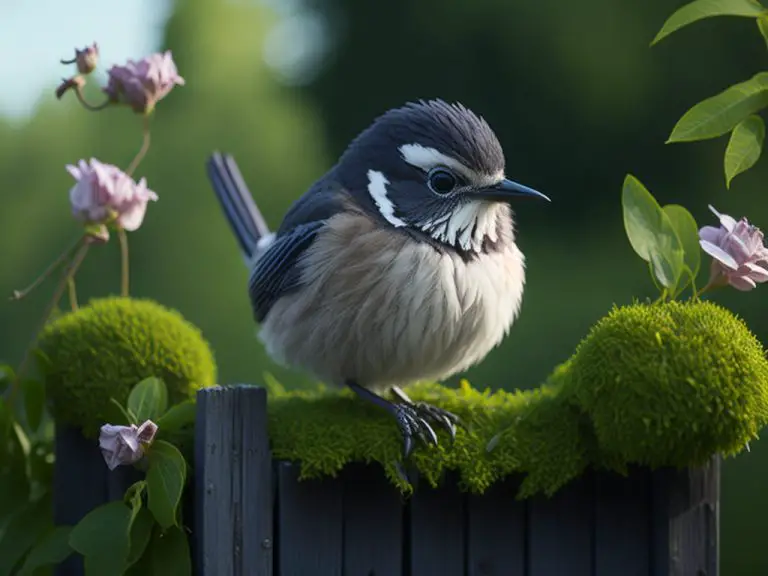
point(274, 258)
point(277, 271)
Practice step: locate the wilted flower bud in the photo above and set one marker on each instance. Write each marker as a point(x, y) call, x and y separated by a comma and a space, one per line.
point(69, 83)
point(144, 83)
point(104, 192)
point(124, 445)
point(87, 58)
point(739, 257)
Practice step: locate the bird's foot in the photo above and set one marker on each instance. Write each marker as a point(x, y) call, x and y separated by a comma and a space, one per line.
point(413, 418)
point(427, 413)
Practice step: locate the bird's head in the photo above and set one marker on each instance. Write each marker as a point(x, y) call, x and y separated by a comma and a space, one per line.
point(436, 169)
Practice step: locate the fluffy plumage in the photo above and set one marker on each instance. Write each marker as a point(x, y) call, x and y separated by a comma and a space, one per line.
point(398, 265)
point(382, 310)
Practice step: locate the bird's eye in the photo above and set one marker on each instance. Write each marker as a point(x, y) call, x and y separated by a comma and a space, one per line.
point(442, 181)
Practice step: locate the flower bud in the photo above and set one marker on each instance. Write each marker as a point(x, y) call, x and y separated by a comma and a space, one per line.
point(124, 445)
point(87, 58)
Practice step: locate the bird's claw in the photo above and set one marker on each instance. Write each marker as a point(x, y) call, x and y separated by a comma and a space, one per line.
point(412, 419)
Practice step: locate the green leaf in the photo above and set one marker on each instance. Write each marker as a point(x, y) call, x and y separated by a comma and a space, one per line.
point(26, 527)
point(34, 402)
point(168, 553)
point(148, 399)
point(141, 530)
point(762, 25)
point(719, 114)
point(651, 233)
point(701, 9)
point(102, 537)
point(177, 417)
point(688, 233)
point(744, 147)
point(166, 475)
point(53, 548)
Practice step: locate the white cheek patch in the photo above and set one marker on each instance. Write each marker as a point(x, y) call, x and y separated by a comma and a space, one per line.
point(467, 227)
point(377, 188)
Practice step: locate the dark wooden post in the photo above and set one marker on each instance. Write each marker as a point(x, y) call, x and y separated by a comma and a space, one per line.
point(686, 521)
point(233, 483)
point(81, 482)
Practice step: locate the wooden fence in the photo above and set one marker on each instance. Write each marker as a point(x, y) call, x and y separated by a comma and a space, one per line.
point(252, 517)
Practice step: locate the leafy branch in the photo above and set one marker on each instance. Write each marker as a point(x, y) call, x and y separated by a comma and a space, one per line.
point(736, 108)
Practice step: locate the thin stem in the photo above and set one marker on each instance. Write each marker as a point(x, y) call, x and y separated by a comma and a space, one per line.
point(19, 294)
point(142, 151)
point(72, 294)
point(713, 283)
point(87, 105)
point(125, 278)
point(70, 272)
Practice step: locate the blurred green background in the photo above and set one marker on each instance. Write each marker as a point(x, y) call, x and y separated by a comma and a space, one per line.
point(573, 90)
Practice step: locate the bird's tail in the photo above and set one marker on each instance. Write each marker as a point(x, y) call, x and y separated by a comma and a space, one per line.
point(236, 201)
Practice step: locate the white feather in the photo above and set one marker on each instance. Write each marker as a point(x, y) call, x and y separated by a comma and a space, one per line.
point(377, 188)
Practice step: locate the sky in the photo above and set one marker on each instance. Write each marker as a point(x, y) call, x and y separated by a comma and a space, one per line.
point(36, 34)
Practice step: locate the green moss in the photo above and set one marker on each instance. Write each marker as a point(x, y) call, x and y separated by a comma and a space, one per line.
point(671, 384)
point(102, 350)
point(326, 429)
point(662, 385)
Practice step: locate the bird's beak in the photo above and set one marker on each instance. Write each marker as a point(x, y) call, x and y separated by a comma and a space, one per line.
point(506, 190)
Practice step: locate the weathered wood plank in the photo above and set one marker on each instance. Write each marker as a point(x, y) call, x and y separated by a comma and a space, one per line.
point(79, 485)
point(309, 527)
point(560, 530)
point(436, 529)
point(233, 476)
point(622, 523)
point(373, 523)
point(496, 531)
point(686, 521)
point(82, 482)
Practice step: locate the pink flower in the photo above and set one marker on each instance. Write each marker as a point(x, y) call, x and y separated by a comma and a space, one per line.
point(739, 257)
point(124, 445)
point(144, 83)
point(104, 191)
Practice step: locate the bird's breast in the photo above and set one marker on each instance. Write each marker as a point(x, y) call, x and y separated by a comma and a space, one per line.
point(383, 309)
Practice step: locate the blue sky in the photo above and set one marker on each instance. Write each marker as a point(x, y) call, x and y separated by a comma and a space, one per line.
point(36, 34)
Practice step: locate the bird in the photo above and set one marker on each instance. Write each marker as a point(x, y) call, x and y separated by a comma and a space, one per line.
point(398, 265)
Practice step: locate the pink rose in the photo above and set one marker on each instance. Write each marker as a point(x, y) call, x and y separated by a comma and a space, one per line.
point(103, 190)
point(124, 445)
point(144, 83)
point(739, 257)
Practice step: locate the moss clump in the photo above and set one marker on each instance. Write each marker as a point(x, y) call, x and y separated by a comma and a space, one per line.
point(102, 350)
point(659, 385)
point(324, 430)
point(670, 384)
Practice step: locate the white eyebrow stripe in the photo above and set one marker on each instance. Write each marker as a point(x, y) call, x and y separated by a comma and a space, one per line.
point(426, 158)
point(377, 188)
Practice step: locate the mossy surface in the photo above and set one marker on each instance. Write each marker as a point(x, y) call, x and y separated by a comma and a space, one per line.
point(671, 384)
point(103, 349)
point(327, 429)
point(662, 385)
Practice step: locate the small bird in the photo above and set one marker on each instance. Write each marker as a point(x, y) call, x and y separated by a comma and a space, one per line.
point(398, 265)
